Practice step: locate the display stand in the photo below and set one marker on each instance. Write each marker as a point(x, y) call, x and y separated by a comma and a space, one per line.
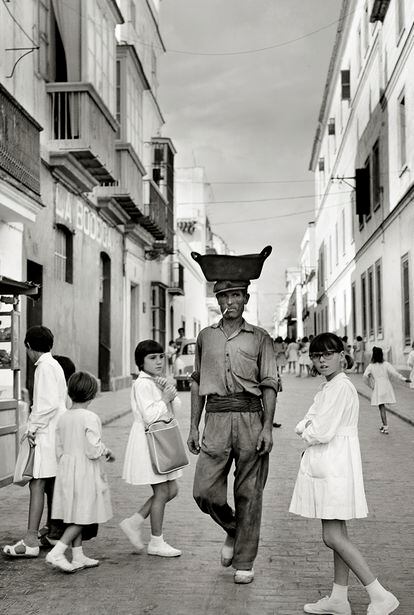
point(10, 291)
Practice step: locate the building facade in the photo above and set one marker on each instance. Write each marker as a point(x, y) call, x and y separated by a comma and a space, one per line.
point(363, 162)
point(86, 177)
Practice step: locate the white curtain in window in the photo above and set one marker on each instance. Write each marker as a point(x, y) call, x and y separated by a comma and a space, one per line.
point(68, 17)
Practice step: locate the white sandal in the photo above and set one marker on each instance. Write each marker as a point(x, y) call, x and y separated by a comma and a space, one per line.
point(10, 550)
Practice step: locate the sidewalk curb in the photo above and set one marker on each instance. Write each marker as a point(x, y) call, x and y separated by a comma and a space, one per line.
point(390, 410)
point(113, 418)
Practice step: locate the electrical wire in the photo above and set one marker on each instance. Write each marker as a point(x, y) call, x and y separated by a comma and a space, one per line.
point(275, 198)
point(18, 24)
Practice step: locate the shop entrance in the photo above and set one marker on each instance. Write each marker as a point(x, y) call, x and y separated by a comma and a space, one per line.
point(104, 360)
point(34, 316)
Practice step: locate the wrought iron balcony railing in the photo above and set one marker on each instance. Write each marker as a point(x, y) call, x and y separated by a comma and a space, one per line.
point(19, 143)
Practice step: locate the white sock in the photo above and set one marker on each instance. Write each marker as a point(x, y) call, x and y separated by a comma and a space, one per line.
point(137, 519)
point(59, 548)
point(77, 554)
point(376, 591)
point(157, 540)
point(339, 592)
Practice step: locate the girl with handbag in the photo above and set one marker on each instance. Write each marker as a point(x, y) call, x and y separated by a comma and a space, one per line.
point(81, 496)
point(152, 398)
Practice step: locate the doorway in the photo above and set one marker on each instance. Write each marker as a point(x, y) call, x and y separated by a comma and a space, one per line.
point(34, 316)
point(104, 354)
point(134, 325)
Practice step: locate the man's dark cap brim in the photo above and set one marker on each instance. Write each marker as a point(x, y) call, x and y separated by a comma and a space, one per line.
point(223, 286)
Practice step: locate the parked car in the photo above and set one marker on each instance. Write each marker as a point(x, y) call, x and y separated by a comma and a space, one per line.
point(183, 365)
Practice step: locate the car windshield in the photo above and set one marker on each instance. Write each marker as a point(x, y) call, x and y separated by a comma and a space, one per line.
point(189, 349)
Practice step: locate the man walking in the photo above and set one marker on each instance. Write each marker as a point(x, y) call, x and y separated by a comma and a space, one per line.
point(235, 380)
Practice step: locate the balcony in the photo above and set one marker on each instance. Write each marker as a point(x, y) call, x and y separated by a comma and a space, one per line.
point(82, 135)
point(125, 193)
point(158, 218)
point(19, 145)
point(176, 279)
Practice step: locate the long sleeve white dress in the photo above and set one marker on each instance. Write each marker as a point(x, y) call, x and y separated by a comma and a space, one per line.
point(49, 403)
point(81, 494)
point(330, 484)
point(147, 407)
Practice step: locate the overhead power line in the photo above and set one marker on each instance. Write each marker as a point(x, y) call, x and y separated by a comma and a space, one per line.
point(274, 198)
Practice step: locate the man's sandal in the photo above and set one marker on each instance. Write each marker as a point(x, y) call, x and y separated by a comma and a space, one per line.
point(20, 549)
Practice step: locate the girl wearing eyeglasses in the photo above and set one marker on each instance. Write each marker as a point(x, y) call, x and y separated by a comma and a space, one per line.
point(330, 485)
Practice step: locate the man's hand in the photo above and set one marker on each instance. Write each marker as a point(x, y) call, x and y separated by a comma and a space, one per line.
point(265, 441)
point(109, 456)
point(193, 442)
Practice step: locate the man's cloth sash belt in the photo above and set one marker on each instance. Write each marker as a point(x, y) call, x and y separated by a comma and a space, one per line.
point(238, 402)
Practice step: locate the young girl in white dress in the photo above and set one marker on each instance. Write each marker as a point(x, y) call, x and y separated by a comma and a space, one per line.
point(152, 398)
point(81, 495)
point(330, 484)
point(377, 376)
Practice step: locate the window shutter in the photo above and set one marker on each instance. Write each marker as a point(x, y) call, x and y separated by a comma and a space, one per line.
point(331, 126)
point(345, 84)
point(362, 190)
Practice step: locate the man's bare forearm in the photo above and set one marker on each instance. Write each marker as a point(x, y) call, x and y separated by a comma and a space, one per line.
point(197, 405)
point(269, 406)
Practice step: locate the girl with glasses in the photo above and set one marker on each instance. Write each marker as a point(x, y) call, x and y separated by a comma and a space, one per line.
point(330, 485)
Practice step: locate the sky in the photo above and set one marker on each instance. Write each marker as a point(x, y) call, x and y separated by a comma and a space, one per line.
point(249, 117)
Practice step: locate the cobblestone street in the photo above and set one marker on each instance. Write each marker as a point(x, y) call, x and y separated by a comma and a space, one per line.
point(293, 566)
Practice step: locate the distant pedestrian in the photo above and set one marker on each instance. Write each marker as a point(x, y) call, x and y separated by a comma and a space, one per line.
point(49, 403)
point(152, 398)
point(81, 497)
point(347, 345)
point(330, 484)
point(280, 353)
point(305, 363)
point(180, 339)
point(410, 363)
point(292, 356)
point(377, 376)
point(359, 348)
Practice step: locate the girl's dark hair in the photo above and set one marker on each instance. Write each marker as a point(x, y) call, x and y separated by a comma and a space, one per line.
point(305, 339)
point(329, 341)
point(82, 387)
point(279, 339)
point(144, 348)
point(66, 364)
point(377, 355)
point(39, 338)
point(359, 338)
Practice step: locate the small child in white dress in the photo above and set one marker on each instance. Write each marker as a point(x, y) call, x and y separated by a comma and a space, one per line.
point(377, 376)
point(330, 484)
point(81, 495)
point(152, 398)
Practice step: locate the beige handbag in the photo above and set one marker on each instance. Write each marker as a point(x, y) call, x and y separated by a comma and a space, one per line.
point(23, 471)
point(166, 446)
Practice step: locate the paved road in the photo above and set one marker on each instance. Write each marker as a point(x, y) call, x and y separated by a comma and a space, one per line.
point(293, 566)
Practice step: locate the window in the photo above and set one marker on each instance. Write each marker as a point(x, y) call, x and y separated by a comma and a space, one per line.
point(321, 268)
point(336, 244)
point(118, 98)
point(133, 13)
point(353, 308)
point(405, 283)
point(331, 126)
point(334, 314)
point(376, 177)
point(63, 254)
point(345, 314)
point(158, 312)
point(365, 28)
point(321, 164)
point(330, 254)
point(378, 285)
point(368, 208)
point(343, 231)
point(359, 50)
point(362, 192)
point(371, 301)
point(364, 304)
point(43, 38)
point(402, 130)
point(399, 7)
point(346, 84)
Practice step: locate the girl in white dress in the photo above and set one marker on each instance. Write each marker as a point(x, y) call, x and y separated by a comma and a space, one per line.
point(81, 496)
point(377, 376)
point(152, 398)
point(330, 484)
